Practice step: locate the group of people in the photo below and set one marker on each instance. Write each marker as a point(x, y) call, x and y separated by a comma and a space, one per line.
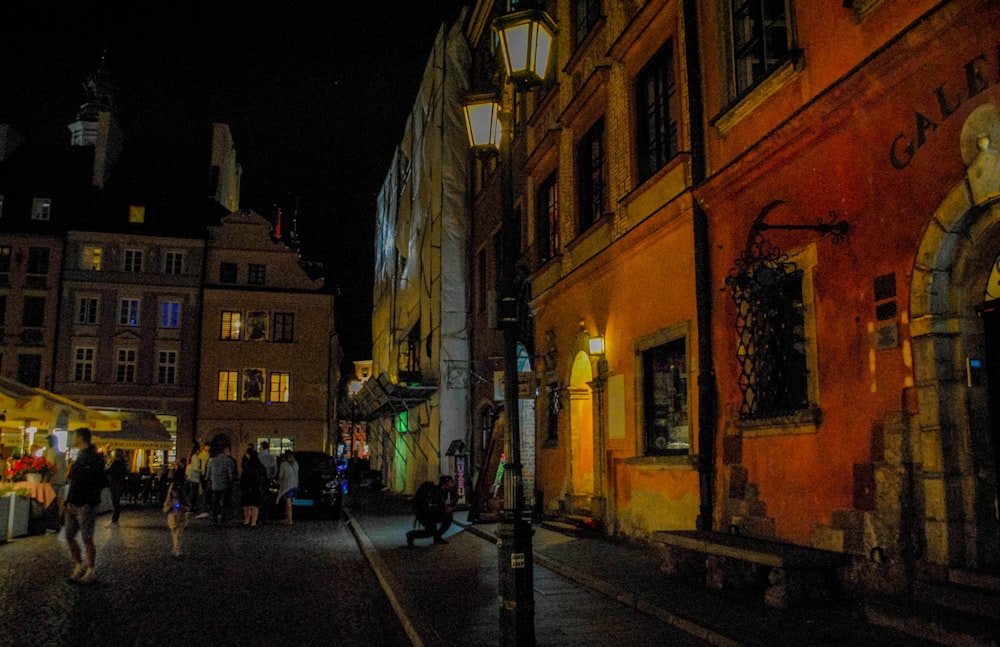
point(205, 480)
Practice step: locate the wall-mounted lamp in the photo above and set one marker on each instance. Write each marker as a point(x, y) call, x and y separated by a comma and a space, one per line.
point(595, 345)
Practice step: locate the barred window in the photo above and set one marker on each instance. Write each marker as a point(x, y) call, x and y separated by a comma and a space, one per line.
point(770, 323)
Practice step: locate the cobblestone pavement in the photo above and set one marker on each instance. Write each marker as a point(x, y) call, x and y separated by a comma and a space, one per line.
point(449, 593)
point(273, 585)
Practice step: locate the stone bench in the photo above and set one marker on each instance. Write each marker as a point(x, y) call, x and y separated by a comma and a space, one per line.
point(790, 574)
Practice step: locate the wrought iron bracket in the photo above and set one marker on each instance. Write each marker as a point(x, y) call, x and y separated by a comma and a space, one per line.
point(837, 229)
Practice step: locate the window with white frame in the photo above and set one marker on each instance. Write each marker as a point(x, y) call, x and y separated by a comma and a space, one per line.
point(132, 260)
point(125, 368)
point(83, 364)
point(166, 368)
point(170, 314)
point(128, 312)
point(760, 40)
point(228, 384)
point(232, 321)
point(86, 310)
point(41, 209)
point(278, 390)
point(173, 263)
point(90, 257)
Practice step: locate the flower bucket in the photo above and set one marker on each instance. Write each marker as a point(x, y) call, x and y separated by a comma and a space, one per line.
point(33, 478)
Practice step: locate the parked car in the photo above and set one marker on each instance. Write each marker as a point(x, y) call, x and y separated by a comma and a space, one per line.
point(320, 491)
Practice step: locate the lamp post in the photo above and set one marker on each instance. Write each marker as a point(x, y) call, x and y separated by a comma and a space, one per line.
point(525, 39)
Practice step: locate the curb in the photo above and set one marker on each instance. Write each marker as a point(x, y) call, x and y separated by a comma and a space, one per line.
point(629, 599)
point(395, 594)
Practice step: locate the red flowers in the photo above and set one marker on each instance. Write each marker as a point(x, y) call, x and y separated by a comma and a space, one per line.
point(20, 468)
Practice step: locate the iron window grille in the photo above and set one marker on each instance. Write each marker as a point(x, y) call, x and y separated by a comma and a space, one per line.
point(770, 326)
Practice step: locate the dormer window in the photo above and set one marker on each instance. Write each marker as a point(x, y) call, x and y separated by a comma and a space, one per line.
point(41, 209)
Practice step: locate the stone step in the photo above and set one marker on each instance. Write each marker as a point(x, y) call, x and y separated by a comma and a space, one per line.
point(967, 599)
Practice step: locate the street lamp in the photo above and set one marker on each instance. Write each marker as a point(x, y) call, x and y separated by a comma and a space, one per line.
point(525, 39)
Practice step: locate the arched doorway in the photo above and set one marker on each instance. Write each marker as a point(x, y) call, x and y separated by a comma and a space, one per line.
point(956, 338)
point(581, 427)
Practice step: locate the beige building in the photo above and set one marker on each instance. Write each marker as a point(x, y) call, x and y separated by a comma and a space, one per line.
point(128, 325)
point(268, 345)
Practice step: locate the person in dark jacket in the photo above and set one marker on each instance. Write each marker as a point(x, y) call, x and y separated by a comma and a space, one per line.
point(252, 487)
point(117, 473)
point(433, 509)
point(86, 481)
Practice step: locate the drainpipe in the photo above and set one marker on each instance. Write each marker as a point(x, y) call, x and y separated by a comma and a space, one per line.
point(707, 419)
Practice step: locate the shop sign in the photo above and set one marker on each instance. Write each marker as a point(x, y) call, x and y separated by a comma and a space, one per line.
point(945, 100)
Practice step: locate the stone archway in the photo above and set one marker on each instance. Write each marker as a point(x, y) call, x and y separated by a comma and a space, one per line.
point(581, 428)
point(959, 248)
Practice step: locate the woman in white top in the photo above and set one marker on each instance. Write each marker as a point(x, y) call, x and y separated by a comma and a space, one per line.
point(288, 483)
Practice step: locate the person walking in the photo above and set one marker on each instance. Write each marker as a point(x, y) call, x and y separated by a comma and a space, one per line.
point(193, 476)
point(270, 462)
point(204, 456)
point(117, 473)
point(251, 488)
point(221, 476)
point(58, 479)
point(86, 481)
point(433, 510)
point(288, 483)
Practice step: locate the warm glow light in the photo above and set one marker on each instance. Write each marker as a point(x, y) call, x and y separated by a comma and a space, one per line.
point(354, 386)
point(482, 122)
point(596, 345)
point(526, 43)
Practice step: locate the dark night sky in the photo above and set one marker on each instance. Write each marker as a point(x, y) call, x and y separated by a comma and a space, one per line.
point(316, 102)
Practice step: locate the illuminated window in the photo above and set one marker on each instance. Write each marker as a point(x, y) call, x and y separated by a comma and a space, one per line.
point(125, 371)
point(284, 327)
point(547, 209)
point(128, 312)
point(91, 258)
point(83, 364)
point(278, 389)
point(170, 314)
point(593, 174)
point(760, 38)
point(132, 260)
point(41, 209)
point(86, 310)
point(173, 263)
point(227, 273)
point(256, 274)
point(667, 428)
point(656, 110)
point(403, 422)
point(166, 370)
point(231, 324)
point(228, 383)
